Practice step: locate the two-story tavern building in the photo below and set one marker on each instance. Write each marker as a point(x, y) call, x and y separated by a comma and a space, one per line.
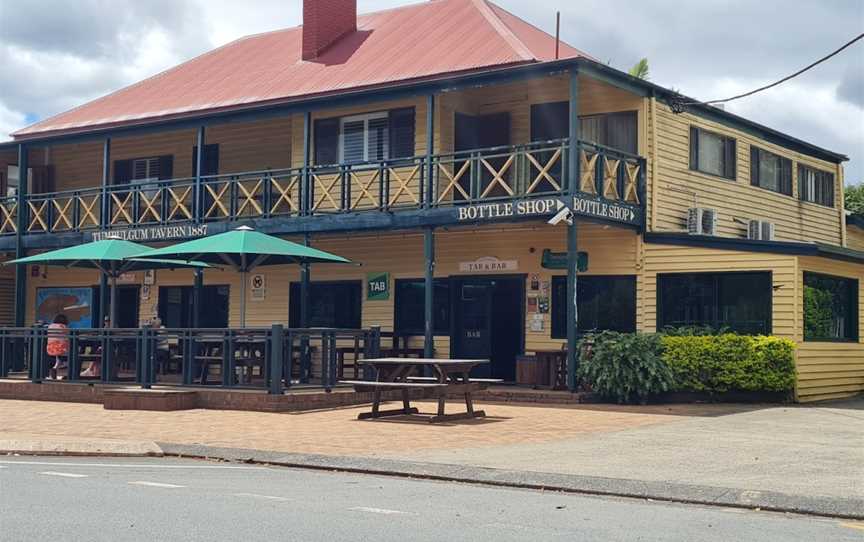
point(432, 144)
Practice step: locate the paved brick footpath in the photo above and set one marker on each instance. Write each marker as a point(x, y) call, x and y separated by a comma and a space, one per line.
point(337, 431)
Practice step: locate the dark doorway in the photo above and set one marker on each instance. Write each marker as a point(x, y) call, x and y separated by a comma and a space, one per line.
point(488, 323)
point(127, 306)
point(176, 307)
point(474, 132)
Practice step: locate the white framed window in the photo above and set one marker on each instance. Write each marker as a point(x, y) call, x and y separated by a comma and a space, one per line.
point(145, 169)
point(364, 138)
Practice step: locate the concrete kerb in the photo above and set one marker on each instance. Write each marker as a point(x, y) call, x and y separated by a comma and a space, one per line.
point(591, 485)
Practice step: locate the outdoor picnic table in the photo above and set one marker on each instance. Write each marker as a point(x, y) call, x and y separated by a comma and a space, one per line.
point(450, 378)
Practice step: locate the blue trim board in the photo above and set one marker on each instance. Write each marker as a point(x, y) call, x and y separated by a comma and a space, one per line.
point(746, 245)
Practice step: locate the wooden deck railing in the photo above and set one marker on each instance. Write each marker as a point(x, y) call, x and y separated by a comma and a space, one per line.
point(479, 175)
point(272, 358)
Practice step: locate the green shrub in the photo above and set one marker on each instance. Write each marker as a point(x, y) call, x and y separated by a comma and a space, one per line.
point(626, 367)
point(688, 331)
point(728, 362)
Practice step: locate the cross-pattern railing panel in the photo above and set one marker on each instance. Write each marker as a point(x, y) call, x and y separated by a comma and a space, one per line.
point(59, 211)
point(610, 173)
point(8, 215)
point(381, 185)
point(500, 173)
point(538, 169)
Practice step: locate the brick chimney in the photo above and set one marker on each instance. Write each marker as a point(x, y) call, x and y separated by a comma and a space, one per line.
point(325, 22)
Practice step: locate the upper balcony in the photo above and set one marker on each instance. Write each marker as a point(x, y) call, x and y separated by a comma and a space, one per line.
point(448, 180)
point(366, 167)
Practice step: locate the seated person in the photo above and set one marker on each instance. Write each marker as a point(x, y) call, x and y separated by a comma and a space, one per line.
point(58, 344)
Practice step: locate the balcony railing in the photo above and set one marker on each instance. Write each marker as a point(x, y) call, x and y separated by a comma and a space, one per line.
point(537, 169)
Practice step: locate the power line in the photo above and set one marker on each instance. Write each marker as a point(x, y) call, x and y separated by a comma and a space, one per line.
point(781, 81)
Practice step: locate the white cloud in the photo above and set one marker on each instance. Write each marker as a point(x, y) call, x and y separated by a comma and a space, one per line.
point(9, 121)
point(707, 49)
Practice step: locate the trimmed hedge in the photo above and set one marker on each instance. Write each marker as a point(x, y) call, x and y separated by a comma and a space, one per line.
point(631, 367)
point(729, 362)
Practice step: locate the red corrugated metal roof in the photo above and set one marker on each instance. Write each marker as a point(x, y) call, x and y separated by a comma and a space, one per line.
point(408, 43)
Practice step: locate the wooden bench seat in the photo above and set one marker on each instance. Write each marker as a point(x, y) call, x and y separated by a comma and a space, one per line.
point(470, 380)
point(392, 385)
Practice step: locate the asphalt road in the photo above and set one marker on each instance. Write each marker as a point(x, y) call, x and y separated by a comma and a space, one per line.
point(51, 499)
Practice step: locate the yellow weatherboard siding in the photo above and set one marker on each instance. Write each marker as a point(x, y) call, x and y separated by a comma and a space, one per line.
point(855, 237)
point(680, 188)
point(828, 370)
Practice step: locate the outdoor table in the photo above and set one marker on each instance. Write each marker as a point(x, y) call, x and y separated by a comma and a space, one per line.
point(451, 378)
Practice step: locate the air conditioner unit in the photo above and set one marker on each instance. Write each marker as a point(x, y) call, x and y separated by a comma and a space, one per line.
point(760, 230)
point(701, 221)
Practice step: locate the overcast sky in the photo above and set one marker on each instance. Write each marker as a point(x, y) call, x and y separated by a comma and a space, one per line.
point(56, 54)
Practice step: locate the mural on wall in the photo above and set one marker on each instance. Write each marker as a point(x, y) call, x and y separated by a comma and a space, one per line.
point(75, 303)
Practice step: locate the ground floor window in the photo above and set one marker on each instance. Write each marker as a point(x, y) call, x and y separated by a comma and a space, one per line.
point(605, 303)
point(830, 308)
point(176, 306)
point(410, 306)
point(738, 302)
point(331, 304)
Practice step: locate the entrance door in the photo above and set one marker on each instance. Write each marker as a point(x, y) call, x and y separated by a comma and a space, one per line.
point(127, 306)
point(488, 323)
point(483, 132)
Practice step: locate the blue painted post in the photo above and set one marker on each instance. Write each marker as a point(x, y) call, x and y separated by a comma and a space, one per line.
point(306, 179)
point(572, 239)
point(197, 297)
point(305, 354)
point(277, 344)
point(428, 196)
point(429, 290)
point(104, 203)
point(198, 191)
point(21, 270)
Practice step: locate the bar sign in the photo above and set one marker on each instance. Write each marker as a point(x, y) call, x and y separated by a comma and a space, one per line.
point(378, 286)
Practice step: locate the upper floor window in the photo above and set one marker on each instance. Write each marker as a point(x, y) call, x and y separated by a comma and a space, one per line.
point(770, 171)
point(815, 186)
point(143, 169)
point(616, 130)
point(365, 138)
point(712, 153)
point(830, 308)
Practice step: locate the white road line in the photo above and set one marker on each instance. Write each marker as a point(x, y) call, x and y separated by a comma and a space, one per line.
point(256, 496)
point(63, 474)
point(155, 484)
point(377, 510)
point(131, 466)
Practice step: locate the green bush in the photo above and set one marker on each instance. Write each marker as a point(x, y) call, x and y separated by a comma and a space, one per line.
point(728, 362)
point(625, 367)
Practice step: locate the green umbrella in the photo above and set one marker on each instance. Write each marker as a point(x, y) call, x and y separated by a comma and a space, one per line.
point(111, 256)
point(244, 249)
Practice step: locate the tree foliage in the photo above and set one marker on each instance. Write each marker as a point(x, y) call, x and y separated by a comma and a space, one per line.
point(640, 69)
point(854, 199)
